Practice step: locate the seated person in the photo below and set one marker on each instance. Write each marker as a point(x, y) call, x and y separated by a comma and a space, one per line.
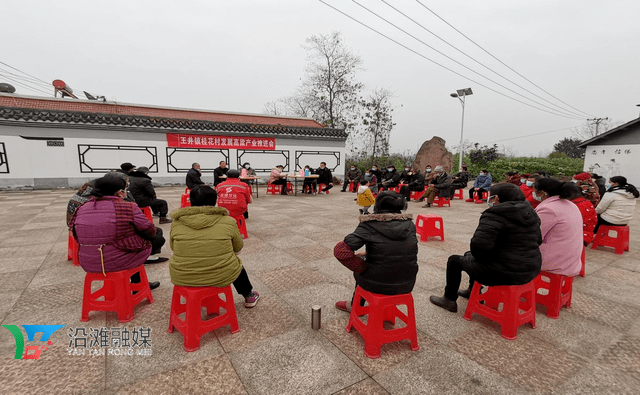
point(113, 234)
point(504, 248)
point(193, 177)
point(145, 194)
point(588, 212)
point(220, 173)
point(249, 170)
point(617, 205)
point(414, 182)
point(277, 177)
point(391, 255)
point(324, 177)
point(82, 196)
point(390, 178)
point(205, 242)
point(310, 184)
point(480, 185)
point(372, 180)
point(353, 176)
point(460, 180)
point(600, 182)
point(440, 186)
point(561, 227)
point(234, 195)
point(512, 177)
point(588, 187)
point(527, 189)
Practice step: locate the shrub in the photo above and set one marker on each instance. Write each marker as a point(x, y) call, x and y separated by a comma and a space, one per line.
point(552, 166)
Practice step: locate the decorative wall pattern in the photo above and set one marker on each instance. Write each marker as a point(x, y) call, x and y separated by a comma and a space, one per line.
point(103, 158)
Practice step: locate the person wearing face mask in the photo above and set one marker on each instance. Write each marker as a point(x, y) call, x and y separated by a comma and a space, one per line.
point(372, 180)
point(404, 176)
point(377, 172)
point(561, 227)
point(309, 184)
point(324, 177)
point(512, 177)
point(480, 185)
point(390, 179)
point(527, 189)
point(588, 187)
point(415, 182)
point(428, 175)
point(588, 212)
point(600, 182)
point(353, 176)
point(460, 180)
point(504, 248)
point(440, 186)
point(617, 205)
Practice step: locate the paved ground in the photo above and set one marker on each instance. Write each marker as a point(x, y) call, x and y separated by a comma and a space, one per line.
point(594, 348)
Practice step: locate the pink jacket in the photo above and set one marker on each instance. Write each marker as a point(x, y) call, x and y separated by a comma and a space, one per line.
point(95, 225)
point(561, 227)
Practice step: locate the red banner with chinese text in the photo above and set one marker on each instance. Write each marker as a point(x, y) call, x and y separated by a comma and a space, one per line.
point(207, 141)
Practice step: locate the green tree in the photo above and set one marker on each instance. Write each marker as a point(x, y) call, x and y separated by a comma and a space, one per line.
point(569, 146)
point(484, 154)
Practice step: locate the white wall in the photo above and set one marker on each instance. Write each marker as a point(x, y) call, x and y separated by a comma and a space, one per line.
point(614, 160)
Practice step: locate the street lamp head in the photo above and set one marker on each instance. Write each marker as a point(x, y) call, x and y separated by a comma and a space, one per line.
point(454, 95)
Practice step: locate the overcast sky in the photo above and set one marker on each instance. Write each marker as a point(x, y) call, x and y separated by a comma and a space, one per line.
point(237, 55)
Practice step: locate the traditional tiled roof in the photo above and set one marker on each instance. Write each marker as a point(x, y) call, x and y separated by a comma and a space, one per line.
point(64, 111)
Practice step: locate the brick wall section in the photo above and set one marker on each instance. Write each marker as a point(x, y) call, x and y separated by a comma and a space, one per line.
point(112, 108)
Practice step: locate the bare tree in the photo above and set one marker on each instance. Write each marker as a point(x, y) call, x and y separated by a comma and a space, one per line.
point(272, 108)
point(466, 146)
point(376, 122)
point(590, 130)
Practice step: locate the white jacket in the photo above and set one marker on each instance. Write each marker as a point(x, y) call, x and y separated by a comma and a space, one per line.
point(617, 207)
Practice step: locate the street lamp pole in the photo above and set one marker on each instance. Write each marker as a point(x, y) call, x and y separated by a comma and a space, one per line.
point(462, 95)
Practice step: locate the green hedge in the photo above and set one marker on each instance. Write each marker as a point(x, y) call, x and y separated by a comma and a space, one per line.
point(552, 166)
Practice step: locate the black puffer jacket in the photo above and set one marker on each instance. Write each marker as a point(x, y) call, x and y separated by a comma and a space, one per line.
point(507, 240)
point(141, 188)
point(193, 179)
point(392, 253)
point(443, 183)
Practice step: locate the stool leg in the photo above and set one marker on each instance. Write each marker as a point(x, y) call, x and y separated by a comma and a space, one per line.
point(175, 301)
point(193, 317)
point(86, 300)
point(411, 317)
point(373, 344)
point(509, 325)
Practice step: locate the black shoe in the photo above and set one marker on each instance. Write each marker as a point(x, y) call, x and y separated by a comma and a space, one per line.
point(361, 211)
point(159, 260)
point(441, 301)
point(465, 293)
point(165, 220)
point(421, 200)
point(343, 191)
point(154, 284)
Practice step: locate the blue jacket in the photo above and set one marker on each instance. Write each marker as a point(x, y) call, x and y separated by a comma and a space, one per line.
point(483, 182)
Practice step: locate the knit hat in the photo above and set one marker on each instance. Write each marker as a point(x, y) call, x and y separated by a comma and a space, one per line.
point(582, 176)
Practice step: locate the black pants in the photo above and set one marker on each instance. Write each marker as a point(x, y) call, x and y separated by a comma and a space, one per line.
point(311, 183)
point(346, 184)
point(159, 206)
point(603, 222)
point(467, 263)
point(480, 192)
point(242, 284)
point(327, 186)
point(283, 182)
point(406, 190)
point(455, 187)
point(157, 242)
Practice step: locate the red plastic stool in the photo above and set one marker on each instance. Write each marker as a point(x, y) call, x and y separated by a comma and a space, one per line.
point(620, 242)
point(584, 260)
point(117, 291)
point(429, 225)
point(476, 200)
point(274, 189)
point(193, 327)
point(185, 201)
point(320, 186)
point(513, 299)
point(381, 308)
point(72, 250)
point(559, 289)
point(242, 226)
point(415, 195)
point(459, 194)
point(442, 201)
point(147, 213)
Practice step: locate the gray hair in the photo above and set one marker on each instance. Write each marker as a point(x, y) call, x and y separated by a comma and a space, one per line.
point(438, 169)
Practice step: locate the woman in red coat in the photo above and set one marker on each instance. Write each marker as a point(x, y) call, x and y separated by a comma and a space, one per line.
point(589, 215)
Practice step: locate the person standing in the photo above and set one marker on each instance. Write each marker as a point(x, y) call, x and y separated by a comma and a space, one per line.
point(324, 176)
point(219, 173)
point(193, 177)
point(234, 195)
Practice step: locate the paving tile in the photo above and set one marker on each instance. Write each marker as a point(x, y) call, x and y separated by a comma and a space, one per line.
point(366, 386)
point(289, 278)
point(627, 292)
point(310, 253)
point(624, 357)
point(7, 300)
point(604, 311)
point(526, 360)
point(324, 295)
point(594, 379)
point(439, 323)
point(28, 237)
point(318, 367)
point(210, 376)
point(440, 370)
point(16, 281)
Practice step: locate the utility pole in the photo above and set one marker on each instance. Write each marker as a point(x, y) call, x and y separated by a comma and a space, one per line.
point(597, 121)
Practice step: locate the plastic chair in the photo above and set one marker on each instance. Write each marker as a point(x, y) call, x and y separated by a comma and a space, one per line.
point(559, 290)
point(381, 308)
point(185, 200)
point(476, 200)
point(513, 298)
point(147, 213)
point(322, 186)
point(120, 295)
point(276, 189)
point(242, 226)
point(442, 201)
point(459, 194)
point(193, 327)
point(415, 195)
point(583, 259)
point(620, 242)
point(429, 225)
point(72, 250)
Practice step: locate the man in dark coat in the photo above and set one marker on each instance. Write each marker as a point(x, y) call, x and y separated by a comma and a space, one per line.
point(145, 195)
point(414, 181)
point(390, 179)
point(220, 173)
point(353, 176)
point(324, 177)
point(504, 248)
point(193, 177)
point(440, 186)
point(391, 248)
point(459, 181)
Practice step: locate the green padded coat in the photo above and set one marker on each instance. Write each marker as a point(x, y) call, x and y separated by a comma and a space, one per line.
point(204, 241)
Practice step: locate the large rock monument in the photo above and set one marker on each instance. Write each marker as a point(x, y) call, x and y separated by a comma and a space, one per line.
point(434, 153)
